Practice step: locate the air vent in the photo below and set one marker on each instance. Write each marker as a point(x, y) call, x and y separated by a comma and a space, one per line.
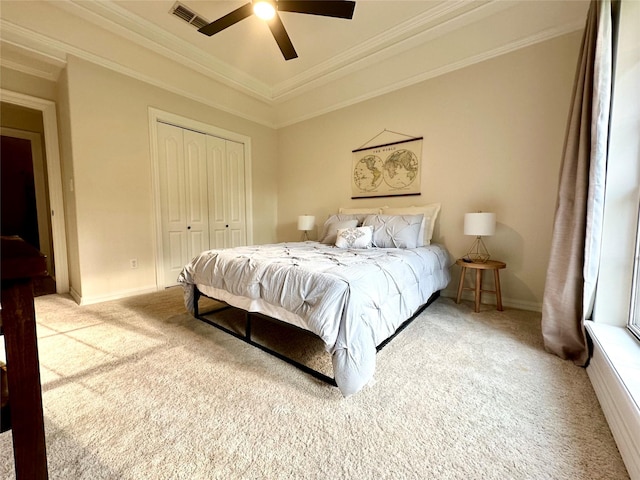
point(184, 13)
point(199, 22)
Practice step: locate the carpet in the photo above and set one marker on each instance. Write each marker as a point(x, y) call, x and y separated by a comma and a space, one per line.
point(137, 389)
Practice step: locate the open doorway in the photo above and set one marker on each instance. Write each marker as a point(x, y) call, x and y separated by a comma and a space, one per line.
point(25, 207)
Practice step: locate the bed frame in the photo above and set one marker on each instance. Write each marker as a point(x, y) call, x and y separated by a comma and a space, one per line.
point(246, 337)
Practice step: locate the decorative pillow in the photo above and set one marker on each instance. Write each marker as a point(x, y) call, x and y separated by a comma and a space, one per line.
point(430, 213)
point(333, 223)
point(358, 237)
point(395, 231)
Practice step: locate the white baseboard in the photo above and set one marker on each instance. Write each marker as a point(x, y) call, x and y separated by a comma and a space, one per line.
point(616, 389)
point(506, 302)
point(85, 300)
point(75, 295)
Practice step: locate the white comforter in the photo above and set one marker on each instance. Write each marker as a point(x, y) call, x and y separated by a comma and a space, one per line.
point(351, 299)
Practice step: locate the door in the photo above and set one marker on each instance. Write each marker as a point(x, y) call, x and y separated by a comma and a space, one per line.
point(235, 195)
point(25, 199)
point(182, 170)
point(226, 193)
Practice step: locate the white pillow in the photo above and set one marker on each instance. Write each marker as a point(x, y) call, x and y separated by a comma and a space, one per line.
point(395, 231)
point(356, 211)
point(333, 223)
point(430, 213)
point(358, 237)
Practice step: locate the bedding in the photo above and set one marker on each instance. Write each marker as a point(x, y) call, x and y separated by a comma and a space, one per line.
point(353, 299)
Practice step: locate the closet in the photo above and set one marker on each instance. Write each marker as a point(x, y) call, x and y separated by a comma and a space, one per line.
point(202, 195)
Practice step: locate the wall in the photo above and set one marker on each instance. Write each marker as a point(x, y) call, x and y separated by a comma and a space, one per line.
point(493, 139)
point(66, 160)
point(27, 84)
point(107, 159)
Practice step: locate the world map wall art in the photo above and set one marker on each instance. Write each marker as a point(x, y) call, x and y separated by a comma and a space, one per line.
point(387, 170)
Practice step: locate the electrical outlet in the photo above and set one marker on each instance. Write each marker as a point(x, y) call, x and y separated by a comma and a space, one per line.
point(134, 263)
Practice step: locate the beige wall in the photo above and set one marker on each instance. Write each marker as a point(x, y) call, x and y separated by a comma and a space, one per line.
point(27, 84)
point(108, 160)
point(493, 138)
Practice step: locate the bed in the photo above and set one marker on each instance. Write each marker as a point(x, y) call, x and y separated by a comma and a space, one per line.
point(353, 298)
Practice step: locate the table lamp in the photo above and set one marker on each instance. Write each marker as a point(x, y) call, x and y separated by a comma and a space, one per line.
point(480, 224)
point(305, 224)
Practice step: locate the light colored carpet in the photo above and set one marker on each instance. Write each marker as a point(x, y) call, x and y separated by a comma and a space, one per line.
point(138, 389)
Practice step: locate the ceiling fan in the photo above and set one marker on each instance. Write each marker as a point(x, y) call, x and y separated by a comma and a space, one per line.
point(268, 11)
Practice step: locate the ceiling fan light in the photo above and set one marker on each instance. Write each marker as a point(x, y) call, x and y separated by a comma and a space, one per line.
point(264, 10)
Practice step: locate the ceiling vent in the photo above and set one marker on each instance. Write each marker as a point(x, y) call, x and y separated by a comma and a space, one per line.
point(192, 18)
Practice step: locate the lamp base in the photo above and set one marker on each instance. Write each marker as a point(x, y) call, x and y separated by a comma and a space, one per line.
point(478, 253)
point(305, 235)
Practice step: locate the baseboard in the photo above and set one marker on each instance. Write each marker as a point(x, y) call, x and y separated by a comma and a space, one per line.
point(617, 401)
point(506, 301)
point(75, 295)
point(86, 300)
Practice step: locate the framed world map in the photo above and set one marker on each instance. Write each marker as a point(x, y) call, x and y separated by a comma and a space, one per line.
point(387, 170)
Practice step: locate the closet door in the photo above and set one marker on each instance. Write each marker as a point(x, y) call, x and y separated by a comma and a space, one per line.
point(182, 168)
point(197, 208)
point(227, 209)
point(235, 195)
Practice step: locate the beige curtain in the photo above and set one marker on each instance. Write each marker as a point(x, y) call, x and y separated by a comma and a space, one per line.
point(575, 250)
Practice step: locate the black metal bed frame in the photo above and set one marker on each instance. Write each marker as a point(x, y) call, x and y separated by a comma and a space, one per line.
point(246, 337)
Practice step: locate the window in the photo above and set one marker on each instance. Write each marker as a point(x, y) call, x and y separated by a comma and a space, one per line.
point(634, 311)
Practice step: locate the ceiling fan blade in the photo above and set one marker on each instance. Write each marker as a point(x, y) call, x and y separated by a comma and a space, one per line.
point(282, 38)
point(228, 20)
point(326, 8)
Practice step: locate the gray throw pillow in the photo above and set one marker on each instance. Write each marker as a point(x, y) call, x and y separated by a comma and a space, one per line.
point(395, 231)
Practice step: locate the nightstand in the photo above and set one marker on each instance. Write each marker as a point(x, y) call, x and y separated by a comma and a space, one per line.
point(494, 265)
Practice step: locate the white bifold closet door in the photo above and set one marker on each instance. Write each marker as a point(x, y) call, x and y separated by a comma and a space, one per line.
point(202, 197)
point(227, 216)
point(182, 169)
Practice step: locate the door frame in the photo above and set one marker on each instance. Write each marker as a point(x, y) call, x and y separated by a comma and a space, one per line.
point(155, 116)
point(54, 180)
point(39, 180)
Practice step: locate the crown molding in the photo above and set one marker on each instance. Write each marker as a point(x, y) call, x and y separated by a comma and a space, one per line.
point(436, 72)
point(390, 41)
point(33, 42)
point(438, 21)
point(110, 16)
point(37, 42)
point(119, 21)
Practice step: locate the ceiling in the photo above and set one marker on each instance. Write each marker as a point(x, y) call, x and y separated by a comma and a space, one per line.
point(391, 44)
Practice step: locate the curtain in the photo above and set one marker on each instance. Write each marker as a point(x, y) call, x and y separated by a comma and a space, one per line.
point(577, 231)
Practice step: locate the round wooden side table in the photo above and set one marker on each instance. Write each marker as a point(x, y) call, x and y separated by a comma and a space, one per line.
point(494, 265)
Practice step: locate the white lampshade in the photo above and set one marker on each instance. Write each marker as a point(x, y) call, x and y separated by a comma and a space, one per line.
point(306, 222)
point(480, 224)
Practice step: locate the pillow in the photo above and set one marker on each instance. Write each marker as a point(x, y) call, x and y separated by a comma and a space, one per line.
point(333, 223)
point(367, 211)
point(430, 213)
point(395, 231)
point(358, 237)
point(360, 213)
